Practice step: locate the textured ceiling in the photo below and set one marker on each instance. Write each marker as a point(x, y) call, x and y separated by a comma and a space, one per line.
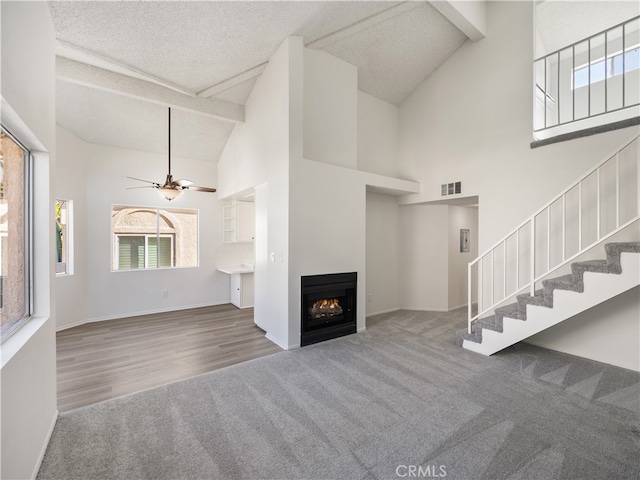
point(395, 56)
point(560, 23)
point(108, 119)
point(197, 45)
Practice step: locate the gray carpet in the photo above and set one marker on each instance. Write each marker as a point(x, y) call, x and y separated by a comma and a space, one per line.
point(398, 399)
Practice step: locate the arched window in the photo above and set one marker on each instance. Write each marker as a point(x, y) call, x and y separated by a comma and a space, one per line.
point(148, 238)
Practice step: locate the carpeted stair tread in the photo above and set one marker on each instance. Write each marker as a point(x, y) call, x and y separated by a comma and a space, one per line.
point(565, 282)
point(615, 249)
point(544, 297)
point(630, 247)
point(462, 335)
point(511, 311)
point(490, 323)
point(538, 299)
point(595, 264)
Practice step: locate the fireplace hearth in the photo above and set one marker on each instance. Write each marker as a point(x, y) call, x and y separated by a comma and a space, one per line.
point(328, 306)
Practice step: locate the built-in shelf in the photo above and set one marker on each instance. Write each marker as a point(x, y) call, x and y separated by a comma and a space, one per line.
point(238, 222)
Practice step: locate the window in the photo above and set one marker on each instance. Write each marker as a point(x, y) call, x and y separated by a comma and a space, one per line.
point(615, 65)
point(64, 237)
point(15, 238)
point(142, 251)
point(149, 238)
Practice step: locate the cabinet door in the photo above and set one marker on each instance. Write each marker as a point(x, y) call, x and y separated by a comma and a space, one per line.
point(247, 290)
point(236, 289)
point(245, 222)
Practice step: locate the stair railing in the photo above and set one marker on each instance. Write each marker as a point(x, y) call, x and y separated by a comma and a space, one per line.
point(594, 76)
point(531, 257)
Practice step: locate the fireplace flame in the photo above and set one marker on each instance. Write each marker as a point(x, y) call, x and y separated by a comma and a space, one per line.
point(327, 307)
point(326, 303)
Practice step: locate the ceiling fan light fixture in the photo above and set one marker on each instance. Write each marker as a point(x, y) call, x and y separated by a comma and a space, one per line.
point(172, 188)
point(169, 192)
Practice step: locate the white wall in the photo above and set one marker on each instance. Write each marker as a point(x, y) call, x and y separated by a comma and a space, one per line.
point(257, 156)
point(327, 234)
point(471, 120)
point(28, 369)
point(310, 211)
point(327, 205)
point(609, 332)
point(93, 176)
point(383, 253)
point(330, 109)
point(459, 218)
point(71, 290)
point(424, 258)
point(377, 136)
point(433, 271)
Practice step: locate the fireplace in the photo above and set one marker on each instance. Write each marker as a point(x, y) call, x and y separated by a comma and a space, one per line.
point(328, 306)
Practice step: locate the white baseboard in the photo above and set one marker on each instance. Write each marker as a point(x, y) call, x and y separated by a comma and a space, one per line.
point(137, 314)
point(415, 309)
point(45, 445)
point(451, 309)
point(424, 309)
point(361, 329)
point(597, 357)
point(268, 336)
point(71, 325)
point(390, 310)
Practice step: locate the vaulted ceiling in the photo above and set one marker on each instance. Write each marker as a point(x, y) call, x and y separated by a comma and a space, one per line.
point(121, 63)
point(560, 23)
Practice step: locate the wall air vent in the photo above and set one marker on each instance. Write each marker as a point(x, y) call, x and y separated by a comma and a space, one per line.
point(453, 188)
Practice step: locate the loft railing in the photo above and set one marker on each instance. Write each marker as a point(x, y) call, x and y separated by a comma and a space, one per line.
point(600, 204)
point(592, 77)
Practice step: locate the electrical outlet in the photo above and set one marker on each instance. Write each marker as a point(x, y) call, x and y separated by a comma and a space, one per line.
point(165, 293)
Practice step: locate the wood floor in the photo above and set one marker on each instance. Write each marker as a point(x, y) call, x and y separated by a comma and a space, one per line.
point(103, 360)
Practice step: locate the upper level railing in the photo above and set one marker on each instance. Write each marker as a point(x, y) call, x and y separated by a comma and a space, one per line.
point(595, 76)
point(601, 203)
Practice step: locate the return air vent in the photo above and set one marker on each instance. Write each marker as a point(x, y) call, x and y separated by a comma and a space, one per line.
point(451, 188)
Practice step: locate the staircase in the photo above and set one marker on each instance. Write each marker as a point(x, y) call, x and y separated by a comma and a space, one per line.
point(590, 283)
point(519, 285)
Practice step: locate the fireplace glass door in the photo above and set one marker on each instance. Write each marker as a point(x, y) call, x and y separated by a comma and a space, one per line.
point(328, 306)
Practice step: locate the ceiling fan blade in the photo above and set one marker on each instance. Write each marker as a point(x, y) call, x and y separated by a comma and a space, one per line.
point(183, 182)
point(200, 189)
point(141, 180)
point(171, 187)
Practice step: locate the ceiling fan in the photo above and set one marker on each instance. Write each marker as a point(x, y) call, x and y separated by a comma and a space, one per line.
point(171, 188)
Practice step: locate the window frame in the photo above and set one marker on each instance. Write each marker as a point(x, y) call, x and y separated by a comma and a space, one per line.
point(146, 237)
point(68, 239)
point(28, 238)
point(175, 238)
point(609, 68)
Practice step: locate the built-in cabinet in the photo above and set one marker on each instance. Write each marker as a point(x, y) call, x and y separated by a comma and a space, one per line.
point(238, 222)
point(241, 285)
